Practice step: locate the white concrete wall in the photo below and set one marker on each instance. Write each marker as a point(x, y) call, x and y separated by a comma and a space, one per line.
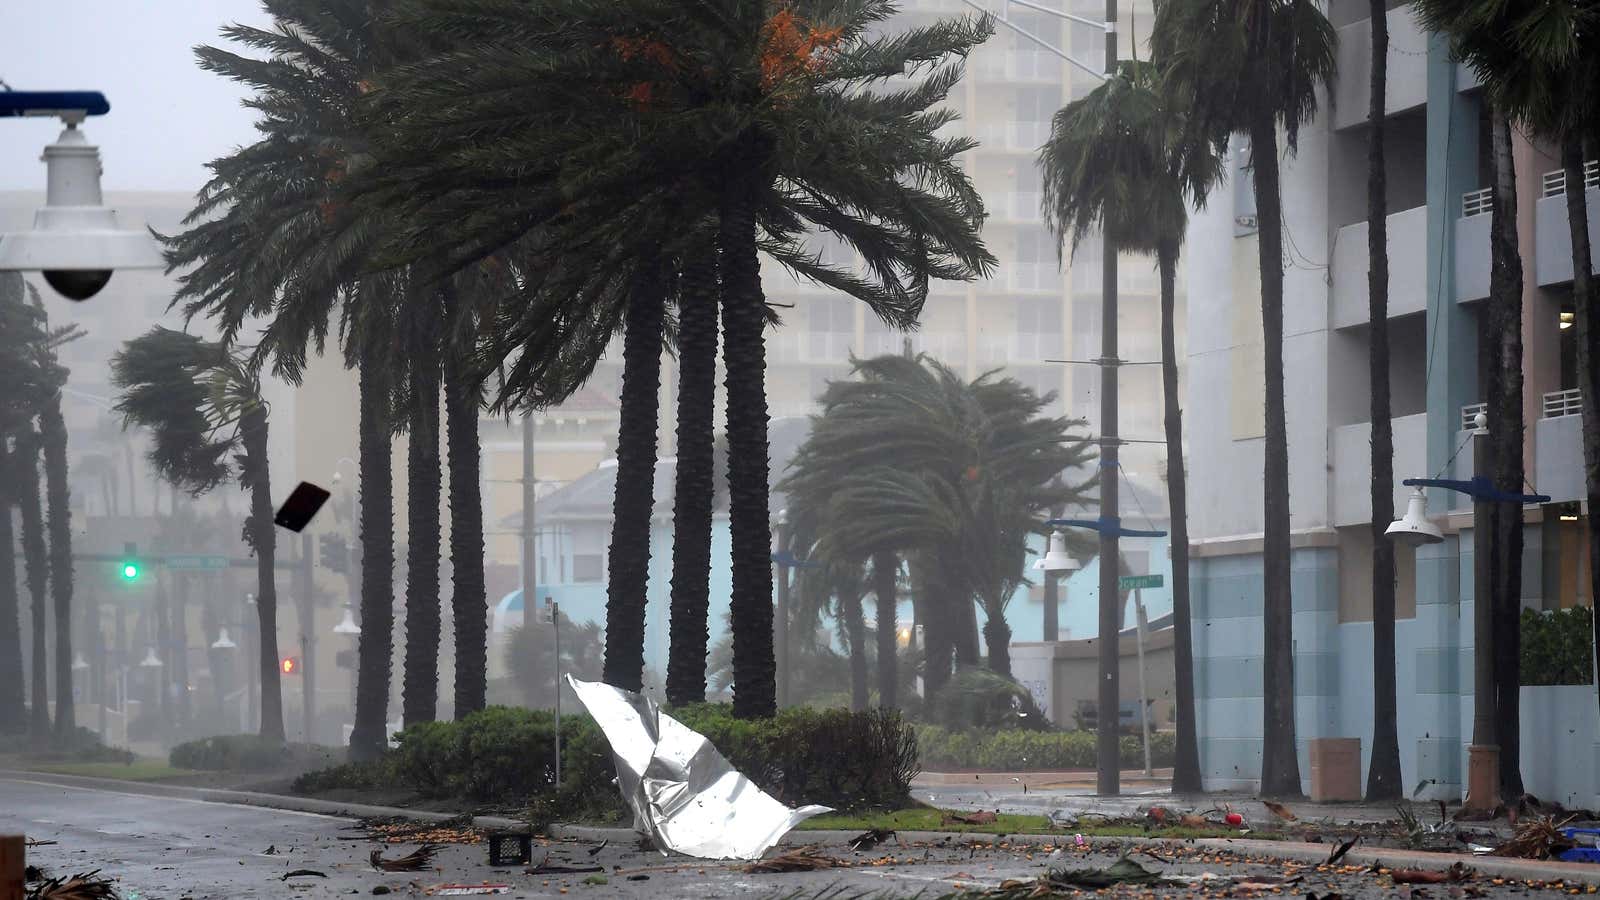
point(1558, 458)
point(1408, 271)
point(1553, 249)
point(1352, 466)
point(1408, 65)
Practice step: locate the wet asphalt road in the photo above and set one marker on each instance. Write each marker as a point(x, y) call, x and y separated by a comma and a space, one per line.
point(158, 847)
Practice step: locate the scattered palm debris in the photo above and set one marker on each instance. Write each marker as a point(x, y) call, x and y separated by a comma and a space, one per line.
point(595, 851)
point(272, 850)
point(870, 838)
point(306, 873)
point(1279, 810)
point(34, 842)
point(414, 861)
point(1539, 838)
point(1343, 848)
point(981, 817)
point(1123, 871)
point(83, 886)
point(455, 830)
point(545, 867)
point(802, 859)
point(1456, 872)
point(466, 889)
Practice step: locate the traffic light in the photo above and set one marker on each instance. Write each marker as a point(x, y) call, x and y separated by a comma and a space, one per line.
point(335, 553)
point(130, 568)
point(290, 665)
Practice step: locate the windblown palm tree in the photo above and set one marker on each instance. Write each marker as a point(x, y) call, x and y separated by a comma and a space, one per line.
point(208, 424)
point(1249, 67)
point(654, 114)
point(1117, 162)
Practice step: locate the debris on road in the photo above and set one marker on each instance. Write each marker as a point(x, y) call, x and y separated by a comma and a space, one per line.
point(1343, 848)
point(416, 860)
point(694, 802)
point(1456, 872)
point(1540, 838)
point(457, 830)
point(1123, 871)
point(299, 873)
point(1279, 810)
point(803, 859)
point(457, 890)
point(35, 842)
point(870, 838)
point(981, 817)
point(545, 868)
point(83, 886)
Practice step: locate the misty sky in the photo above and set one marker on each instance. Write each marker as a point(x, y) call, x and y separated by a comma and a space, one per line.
point(168, 118)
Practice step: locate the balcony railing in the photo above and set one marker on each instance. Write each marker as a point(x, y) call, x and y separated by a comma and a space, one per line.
point(1555, 183)
point(1563, 403)
point(1469, 413)
point(1476, 203)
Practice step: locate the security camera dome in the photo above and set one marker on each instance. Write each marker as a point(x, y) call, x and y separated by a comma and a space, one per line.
point(77, 284)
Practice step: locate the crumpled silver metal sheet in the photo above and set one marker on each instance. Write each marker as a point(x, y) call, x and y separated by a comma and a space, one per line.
point(683, 793)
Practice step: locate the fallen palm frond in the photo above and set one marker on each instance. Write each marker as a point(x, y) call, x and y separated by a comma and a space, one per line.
point(803, 859)
point(74, 887)
point(417, 859)
point(1536, 839)
point(1456, 872)
point(871, 838)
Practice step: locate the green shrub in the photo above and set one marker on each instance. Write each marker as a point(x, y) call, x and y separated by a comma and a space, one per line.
point(1016, 750)
point(979, 698)
point(249, 753)
point(78, 745)
point(1558, 646)
point(503, 756)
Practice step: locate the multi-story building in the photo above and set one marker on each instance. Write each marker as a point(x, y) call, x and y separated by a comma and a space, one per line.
point(1438, 154)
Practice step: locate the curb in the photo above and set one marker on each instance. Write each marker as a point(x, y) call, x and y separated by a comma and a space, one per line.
point(1314, 854)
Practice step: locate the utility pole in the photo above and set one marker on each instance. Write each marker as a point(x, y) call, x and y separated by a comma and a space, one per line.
point(1139, 636)
point(308, 639)
point(780, 543)
point(530, 573)
point(1107, 781)
point(555, 623)
point(1483, 754)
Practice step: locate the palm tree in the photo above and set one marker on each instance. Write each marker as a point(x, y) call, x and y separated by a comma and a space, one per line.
point(1249, 67)
point(885, 572)
point(25, 475)
point(13, 719)
point(670, 75)
point(463, 403)
point(423, 318)
point(1113, 164)
point(203, 406)
point(1540, 63)
point(1383, 774)
point(695, 477)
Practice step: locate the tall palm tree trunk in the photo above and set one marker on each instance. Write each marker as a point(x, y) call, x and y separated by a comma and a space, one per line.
point(1383, 775)
point(885, 567)
point(36, 562)
point(997, 639)
point(263, 538)
point(468, 603)
point(419, 692)
point(634, 501)
point(13, 719)
point(744, 315)
point(53, 429)
point(1505, 440)
point(855, 630)
point(1280, 768)
point(375, 647)
point(695, 477)
point(1186, 766)
point(1588, 341)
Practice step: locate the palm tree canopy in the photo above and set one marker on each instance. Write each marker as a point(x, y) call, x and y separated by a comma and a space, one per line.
point(1232, 64)
point(194, 396)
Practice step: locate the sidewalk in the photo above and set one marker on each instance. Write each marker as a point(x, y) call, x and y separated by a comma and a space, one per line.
point(1066, 778)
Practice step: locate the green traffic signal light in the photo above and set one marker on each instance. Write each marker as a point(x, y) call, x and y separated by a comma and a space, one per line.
point(130, 571)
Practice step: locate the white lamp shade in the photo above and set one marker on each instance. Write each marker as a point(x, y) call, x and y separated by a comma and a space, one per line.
point(73, 231)
point(1414, 529)
point(150, 661)
point(223, 642)
point(347, 625)
point(1057, 559)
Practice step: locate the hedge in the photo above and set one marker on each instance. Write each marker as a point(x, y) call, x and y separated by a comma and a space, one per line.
point(505, 756)
point(1015, 750)
point(249, 753)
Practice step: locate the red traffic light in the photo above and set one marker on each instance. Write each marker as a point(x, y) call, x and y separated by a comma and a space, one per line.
point(290, 665)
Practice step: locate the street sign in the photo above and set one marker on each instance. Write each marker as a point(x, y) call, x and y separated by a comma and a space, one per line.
point(1137, 582)
point(196, 563)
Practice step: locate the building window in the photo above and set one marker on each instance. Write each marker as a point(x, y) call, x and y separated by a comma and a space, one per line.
point(587, 568)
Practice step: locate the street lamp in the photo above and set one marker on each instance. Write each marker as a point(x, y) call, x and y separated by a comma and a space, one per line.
point(76, 240)
point(1483, 754)
point(79, 663)
point(150, 661)
point(223, 642)
point(1057, 559)
point(347, 625)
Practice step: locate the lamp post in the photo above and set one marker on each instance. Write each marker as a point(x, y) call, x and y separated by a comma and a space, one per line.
point(1414, 529)
point(780, 547)
point(1055, 560)
point(554, 609)
point(1107, 769)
